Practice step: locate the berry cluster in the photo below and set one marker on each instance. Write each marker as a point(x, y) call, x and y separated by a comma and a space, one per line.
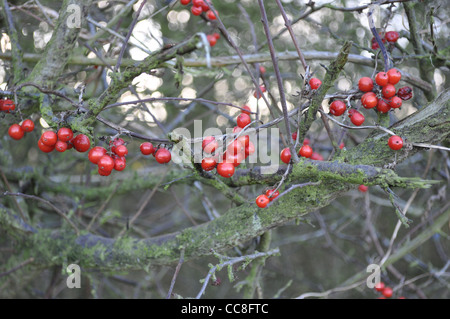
point(386, 291)
point(380, 95)
point(390, 36)
point(267, 197)
point(109, 161)
point(236, 152)
point(17, 131)
point(305, 151)
point(63, 140)
point(199, 7)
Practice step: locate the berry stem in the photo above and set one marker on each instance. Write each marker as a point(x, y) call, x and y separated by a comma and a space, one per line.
point(377, 37)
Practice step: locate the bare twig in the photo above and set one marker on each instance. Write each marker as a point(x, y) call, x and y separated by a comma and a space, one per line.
point(177, 270)
point(56, 209)
point(21, 265)
point(231, 261)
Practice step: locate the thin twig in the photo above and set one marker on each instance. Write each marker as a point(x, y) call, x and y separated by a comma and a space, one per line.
point(232, 261)
point(125, 41)
point(265, 23)
point(177, 270)
point(56, 209)
point(21, 265)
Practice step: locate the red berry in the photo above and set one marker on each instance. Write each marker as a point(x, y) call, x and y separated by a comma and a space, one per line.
point(61, 146)
point(65, 134)
point(49, 138)
point(196, 10)
point(388, 91)
point(120, 163)
point(395, 142)
point(210, 14)
point(394, 76)
point(382, 78)
point(237, 129)
point(306, 141)
point(369, 100)
point(185, 2)
point(382, 106)
point(395, 102)
point(235, 159)
point(405, 93)
point(197, 3)
point(28, 125)
point(244, 139)
point(209, 144)
point(243, 120)
point(316, 156)
point(285, 155)
point(225, 169)
point(96, 153)
point(106, 163)
point(8, 106)
point(246, 109)
point(363, 188)
point(256, 94)
point(342, 145)
point(294, 136)
point(379, 286)
point(262, 201)
point(249, 150)
point(391, 36)
point(116, 142)
point(365, 84)
point(262, 69)
point(211, 39)
point(216, 35)
point(16, 132)
point(147, 148)
point(208, 163)
point(337, 108)
point(45, 148)
point(163, 156)
point(315, 83)
point(81, 143)
point(205, 6)
point(305, 151)
point(356, 118)
point(121, 150)
point(387, 292)
point(235, 147)
point(102, 172)
point(271, 194)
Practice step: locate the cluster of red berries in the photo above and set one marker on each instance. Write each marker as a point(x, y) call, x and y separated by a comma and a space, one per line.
point(107, 162)
point(236, 152)
point(383, 97)
point(17, 131)
point(162, 155)
point(390, 36)
point(267, 197)
point(63, 140)
point(198, 7)
point(386, 291)
point(305, 151)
